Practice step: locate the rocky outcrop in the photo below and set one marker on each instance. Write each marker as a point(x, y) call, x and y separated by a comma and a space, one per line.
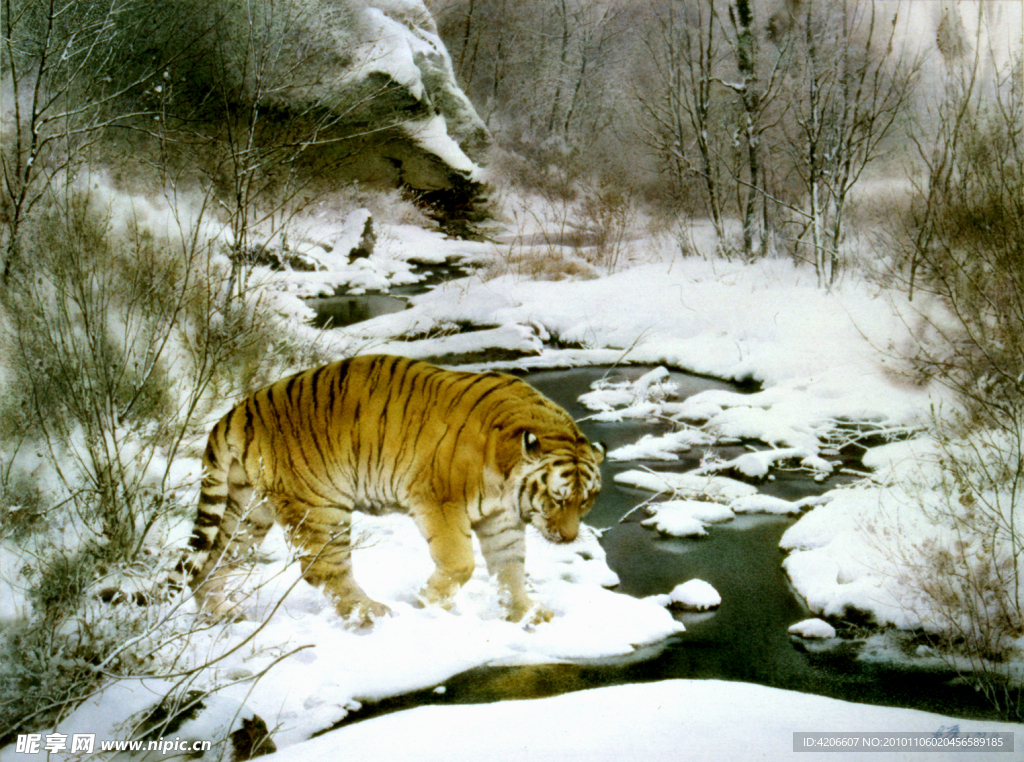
point(366, 87)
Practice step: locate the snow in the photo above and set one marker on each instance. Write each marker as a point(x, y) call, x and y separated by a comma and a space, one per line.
point(855, 552)
point(522, 339)
point(768, 504)
point(692, 484)
point(758, 464)
point(662, 447)
point(122, 708)
point(635, 399)
point(684, 518)
point(668, 720)
point(698, 315)
point(698, 498)
point(399, 39)
point(319, 686)
point(695, 595)
point(813, 629)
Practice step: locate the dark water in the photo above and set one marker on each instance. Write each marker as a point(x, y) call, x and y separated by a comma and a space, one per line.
point(343, 309)
point(745, 639)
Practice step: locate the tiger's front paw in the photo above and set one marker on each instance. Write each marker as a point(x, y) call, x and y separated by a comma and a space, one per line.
point(363, 613)
point(430, 596)
point(443, 585)
point(529, 613)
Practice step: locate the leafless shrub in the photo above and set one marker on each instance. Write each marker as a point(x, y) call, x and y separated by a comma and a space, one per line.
point(961, 241)
point(608, 215)
point(118, 348)
point(964, 580)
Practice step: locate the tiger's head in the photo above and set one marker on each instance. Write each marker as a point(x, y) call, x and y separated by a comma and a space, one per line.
point(560, 481)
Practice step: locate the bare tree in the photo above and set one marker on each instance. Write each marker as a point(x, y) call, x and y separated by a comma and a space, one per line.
point(757, 86)
point(684, 114)
point(850, 83)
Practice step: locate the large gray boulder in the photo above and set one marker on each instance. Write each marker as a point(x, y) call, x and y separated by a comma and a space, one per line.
point(367, 84)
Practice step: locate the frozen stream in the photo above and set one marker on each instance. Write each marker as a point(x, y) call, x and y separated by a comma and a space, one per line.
point(745, 639)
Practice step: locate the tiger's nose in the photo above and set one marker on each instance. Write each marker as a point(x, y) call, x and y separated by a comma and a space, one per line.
point(569, 528)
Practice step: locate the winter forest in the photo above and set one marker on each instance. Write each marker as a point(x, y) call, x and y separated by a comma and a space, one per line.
point(769, 252)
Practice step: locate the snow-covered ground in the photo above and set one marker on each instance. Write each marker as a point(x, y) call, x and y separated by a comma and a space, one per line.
point(824, 361)
point(670, 720)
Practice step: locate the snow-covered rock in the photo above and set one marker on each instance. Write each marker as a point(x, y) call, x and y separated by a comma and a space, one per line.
point(375, 72)
point(685, 518)
point(813, 629)
point(695, 595)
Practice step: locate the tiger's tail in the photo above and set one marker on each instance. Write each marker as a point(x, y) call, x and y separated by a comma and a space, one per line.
point(228, 523)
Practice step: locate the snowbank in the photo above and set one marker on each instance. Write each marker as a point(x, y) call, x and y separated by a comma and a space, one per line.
point(415, 647)
point(766, 321)
point(853, 555)
point(670, 720)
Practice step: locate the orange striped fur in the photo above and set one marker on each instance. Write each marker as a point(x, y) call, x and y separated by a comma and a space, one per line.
point(462, 453)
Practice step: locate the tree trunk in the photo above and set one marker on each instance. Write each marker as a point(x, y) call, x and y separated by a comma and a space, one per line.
point(746, 58)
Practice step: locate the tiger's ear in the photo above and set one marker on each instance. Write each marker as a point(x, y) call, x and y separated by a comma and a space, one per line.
point(531, 445)
point(599, 449)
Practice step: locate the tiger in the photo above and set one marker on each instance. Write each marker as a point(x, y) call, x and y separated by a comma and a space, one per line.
point(462, 453)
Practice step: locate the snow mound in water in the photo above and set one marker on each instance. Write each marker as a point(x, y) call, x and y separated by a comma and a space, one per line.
point(685, 518)
point(813, 629)
point(695, 595)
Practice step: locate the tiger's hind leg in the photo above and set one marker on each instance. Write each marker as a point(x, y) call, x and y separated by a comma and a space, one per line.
point(323, 535)
point(242, 527)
